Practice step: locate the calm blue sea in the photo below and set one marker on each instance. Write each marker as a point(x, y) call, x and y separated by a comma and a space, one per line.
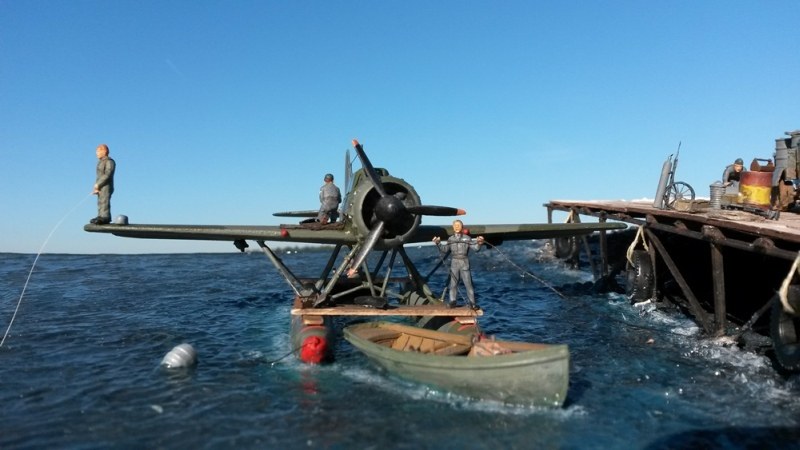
point(80, 368)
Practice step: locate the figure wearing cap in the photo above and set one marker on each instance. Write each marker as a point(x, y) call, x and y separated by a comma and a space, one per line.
point(329, 199)
point(731, 176)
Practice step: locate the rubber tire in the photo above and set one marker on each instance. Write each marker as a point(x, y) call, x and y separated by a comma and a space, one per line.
point(639, 277)
point(785, 331)
point(566, 247)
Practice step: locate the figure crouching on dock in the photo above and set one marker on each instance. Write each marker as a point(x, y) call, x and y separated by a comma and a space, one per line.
point(459, 245)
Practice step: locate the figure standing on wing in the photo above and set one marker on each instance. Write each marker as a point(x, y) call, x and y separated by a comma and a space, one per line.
point(459, 245)
point(103, 185)
point(329, 199)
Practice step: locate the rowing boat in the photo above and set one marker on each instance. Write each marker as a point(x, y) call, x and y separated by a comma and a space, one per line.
point(510, 372)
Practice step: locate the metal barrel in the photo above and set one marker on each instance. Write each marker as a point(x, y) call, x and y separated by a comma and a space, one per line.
point(755, 188)
point(717, 189)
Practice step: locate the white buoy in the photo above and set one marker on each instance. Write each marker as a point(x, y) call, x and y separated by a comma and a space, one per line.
point(182, 355)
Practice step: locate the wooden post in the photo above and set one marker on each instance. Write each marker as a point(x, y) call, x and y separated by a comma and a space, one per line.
point(718, 278)
point(603, 249)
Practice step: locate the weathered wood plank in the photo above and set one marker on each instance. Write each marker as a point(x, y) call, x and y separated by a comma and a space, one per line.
point(357, 310)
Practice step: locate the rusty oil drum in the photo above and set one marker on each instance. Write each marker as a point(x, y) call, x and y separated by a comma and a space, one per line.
point(755, 188)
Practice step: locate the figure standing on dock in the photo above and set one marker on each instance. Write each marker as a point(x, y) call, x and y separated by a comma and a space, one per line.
point(103, 185)
point(329, 199)
point(731, 176)
point(459, 245)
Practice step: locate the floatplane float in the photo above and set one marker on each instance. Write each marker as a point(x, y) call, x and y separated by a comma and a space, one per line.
point(380, 214)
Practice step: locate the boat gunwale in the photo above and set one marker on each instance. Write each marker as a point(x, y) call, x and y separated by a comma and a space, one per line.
point(547, 353)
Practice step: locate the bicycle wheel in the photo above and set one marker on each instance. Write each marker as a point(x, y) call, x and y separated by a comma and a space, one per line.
point(678, 191)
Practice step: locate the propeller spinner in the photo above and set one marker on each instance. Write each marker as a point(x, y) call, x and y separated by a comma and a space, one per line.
point(390, 211)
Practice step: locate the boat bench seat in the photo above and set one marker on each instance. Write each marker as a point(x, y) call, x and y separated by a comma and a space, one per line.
point(427, 345)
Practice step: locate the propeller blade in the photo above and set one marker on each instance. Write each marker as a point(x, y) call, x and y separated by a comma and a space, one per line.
point(373, 176)
point(348, 171)
point(372, 238)
point(430, 210)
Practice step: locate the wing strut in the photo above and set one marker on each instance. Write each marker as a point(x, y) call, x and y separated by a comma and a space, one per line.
point(323, 296)
point(303, 291)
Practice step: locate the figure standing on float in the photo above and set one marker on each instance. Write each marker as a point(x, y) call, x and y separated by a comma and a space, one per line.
point(459, 245)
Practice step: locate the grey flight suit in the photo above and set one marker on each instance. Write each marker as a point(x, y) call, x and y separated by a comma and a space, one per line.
point(459, 246)
point(105, 184)
point(329, 199)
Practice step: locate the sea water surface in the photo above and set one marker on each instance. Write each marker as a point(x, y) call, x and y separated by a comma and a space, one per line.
point(80, 367)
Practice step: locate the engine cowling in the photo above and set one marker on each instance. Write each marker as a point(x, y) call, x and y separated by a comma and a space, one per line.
point(367, 207)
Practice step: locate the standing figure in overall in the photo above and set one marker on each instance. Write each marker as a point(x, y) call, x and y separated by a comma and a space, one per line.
point(459, 245)
point(103, 185)
point(329, 199)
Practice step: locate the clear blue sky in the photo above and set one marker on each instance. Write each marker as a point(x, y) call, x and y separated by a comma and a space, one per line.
point(225, 112)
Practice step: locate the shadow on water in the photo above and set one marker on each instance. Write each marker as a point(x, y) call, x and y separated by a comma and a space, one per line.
point(761, 438)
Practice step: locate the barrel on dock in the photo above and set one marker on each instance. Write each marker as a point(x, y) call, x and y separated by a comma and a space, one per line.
point(755, 188)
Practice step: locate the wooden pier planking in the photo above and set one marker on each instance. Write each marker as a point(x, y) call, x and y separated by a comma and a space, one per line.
point(779, 238)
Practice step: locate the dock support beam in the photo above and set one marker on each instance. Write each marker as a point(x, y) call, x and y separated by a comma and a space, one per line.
point(694, 305)
point(718, 278)
point(603, 249)
point(718, 274)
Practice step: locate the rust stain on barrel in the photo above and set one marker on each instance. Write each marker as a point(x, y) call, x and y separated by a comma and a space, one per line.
point(755, 188)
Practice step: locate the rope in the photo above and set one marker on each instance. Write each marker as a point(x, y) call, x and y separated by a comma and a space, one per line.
point(632, 247)
point(272, 363)
point(784, 290)
point(526, 272)
point(25, 287)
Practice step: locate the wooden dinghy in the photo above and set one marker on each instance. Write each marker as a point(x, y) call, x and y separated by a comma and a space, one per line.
point(510, 372)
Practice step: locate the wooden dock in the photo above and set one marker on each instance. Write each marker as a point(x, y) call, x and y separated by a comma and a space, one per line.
point(734, 228)
point(727, 264)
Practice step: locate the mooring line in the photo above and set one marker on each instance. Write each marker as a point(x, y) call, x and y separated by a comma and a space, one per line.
point(526, 272)
point(521, 269)
point(272, 363)
point(27, 280)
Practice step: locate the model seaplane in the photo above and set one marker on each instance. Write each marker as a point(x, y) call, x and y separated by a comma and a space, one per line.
point(380, 214)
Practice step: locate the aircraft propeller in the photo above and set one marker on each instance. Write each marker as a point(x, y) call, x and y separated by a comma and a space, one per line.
point(389, 210)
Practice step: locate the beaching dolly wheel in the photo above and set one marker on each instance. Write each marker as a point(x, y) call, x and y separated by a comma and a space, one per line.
point(678, 191)
point(566, 247)
point(639, 283)
point(785, 330)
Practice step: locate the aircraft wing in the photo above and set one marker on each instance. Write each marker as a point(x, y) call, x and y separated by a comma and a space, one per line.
point(306, 213)
point(330, 234)
point(496, 234)
point(336, 234)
